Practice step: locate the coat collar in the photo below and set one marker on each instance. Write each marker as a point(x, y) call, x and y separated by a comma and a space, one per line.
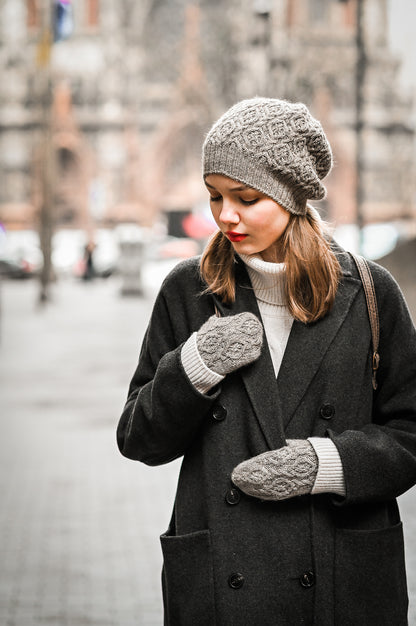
point(275, 404)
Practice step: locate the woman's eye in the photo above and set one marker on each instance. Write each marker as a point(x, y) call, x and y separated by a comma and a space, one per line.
point(248, 202)
point(215, 198)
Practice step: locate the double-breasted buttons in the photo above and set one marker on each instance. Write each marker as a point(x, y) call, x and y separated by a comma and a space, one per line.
point(327, 411)
point(219, 413)
point(232, 496)
point(307, 579)
point(236, 580)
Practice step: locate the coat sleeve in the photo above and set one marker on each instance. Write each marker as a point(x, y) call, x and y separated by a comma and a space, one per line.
point(379, 460)
point(164, 411)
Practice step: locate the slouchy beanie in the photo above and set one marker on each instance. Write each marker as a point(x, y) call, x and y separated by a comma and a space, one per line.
point(271, 145)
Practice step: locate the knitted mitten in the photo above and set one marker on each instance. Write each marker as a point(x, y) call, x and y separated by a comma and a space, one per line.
point(227, 343)
point(279, 474)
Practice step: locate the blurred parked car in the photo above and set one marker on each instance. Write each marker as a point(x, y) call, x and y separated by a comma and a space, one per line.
point(374, 241)
point(178, 248)
point(11, 268)
point(20, 254)
point(106, 253)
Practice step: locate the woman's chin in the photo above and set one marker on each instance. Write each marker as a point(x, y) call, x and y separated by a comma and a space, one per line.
point(244, 247)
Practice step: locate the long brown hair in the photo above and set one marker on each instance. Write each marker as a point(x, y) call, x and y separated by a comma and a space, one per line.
point(312, 269)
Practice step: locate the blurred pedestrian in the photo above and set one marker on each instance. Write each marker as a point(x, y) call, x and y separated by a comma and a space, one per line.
point(89, 271)
point(257, 367)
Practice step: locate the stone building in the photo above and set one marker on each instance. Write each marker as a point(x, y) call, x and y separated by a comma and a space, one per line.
point(311, 55)
point(127, 97)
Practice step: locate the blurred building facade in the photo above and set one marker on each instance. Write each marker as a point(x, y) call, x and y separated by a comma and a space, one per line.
point(130, 93)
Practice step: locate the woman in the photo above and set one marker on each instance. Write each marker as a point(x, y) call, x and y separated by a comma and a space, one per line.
point(256, 368)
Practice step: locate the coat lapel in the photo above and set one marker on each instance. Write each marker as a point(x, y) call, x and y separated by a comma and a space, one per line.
point(275, 404)
point(308, 344)
point(259, 378)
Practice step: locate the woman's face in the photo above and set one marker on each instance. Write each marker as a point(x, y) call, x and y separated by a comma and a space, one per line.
point(252, 221)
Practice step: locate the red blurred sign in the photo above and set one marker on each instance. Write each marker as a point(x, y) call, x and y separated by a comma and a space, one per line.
point(198, 226)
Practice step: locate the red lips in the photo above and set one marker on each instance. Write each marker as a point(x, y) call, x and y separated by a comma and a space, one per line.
point(234, 237)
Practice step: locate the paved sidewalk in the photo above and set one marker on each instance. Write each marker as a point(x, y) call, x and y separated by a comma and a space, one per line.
point(79, 524)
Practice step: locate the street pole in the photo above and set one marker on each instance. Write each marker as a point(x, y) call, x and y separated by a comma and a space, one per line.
point(360, 75)
point(47, 165)
point(46, 209)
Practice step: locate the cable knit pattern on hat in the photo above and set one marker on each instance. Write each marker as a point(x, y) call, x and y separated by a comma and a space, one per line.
point(274, 146)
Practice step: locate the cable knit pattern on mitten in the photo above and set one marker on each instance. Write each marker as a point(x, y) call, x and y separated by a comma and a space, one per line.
point(228, 343)
point(279, 474)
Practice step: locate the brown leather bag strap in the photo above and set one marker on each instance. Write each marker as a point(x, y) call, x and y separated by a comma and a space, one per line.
point(370, 296)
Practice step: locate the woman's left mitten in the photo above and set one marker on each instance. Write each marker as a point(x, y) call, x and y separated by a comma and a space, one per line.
point(279, 474)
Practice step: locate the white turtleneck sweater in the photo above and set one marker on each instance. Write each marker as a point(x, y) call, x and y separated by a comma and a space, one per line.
point(267, 280)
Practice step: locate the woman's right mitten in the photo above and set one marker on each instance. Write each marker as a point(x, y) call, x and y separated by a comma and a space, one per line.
point(227, 343)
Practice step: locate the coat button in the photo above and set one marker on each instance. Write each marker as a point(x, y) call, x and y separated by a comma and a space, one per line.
point(327, 411)
point(236, 581)
point(232, 496)
point(219, 413)
point(307, 579)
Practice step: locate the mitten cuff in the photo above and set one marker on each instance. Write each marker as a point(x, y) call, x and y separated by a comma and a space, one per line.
point(330, 476)
point(202, 378)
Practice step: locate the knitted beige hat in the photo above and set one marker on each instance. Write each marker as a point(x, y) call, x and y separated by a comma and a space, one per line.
point(271, 145)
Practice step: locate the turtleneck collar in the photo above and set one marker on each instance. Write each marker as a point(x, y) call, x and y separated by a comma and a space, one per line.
point(268, 279)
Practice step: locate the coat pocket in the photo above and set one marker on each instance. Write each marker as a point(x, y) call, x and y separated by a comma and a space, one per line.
point(188, 580)
point(370, 577)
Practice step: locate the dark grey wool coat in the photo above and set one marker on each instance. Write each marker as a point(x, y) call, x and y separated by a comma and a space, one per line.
point(233, 560)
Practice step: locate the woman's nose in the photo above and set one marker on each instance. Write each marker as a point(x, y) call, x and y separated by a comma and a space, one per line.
point(228, 214)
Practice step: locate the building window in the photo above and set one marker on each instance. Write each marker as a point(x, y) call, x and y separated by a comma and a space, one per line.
point(32, 14)
point(349, 14)
point(319, 11)
point(92, 13)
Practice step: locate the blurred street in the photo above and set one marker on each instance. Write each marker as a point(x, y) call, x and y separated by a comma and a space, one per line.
point(79, 524)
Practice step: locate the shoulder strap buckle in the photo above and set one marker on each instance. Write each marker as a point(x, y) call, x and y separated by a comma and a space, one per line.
point(372, 308)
